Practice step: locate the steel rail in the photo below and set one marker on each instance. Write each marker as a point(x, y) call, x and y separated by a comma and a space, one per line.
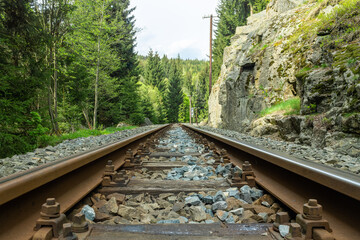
point(293, 181)
point(68, 180)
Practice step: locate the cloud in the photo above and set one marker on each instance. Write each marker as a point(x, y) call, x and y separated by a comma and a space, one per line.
point(173, 27)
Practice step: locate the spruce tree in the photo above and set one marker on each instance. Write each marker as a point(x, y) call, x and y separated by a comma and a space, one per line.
point(22, 75)
point(126, 104)
point(174, 96)
point(154, 72)
point(202, 94)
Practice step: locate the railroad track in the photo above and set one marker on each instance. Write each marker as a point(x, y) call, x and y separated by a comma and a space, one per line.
point(148, 168)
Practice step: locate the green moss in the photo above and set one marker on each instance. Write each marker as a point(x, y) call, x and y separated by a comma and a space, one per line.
point(264, 47)
point(350, 53)
point(279, 70)
point(291, 106)
point(303, 73)
point(351, 90)
point(354, 102)
point(347, 115)
point(324, 86)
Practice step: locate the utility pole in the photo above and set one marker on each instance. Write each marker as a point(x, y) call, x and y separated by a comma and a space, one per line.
point(210, 71)
point(190, 109)
point(196, 115)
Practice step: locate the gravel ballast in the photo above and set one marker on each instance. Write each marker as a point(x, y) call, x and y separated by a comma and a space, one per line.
point(326, 156)
point(223, 204)
point(65, 149)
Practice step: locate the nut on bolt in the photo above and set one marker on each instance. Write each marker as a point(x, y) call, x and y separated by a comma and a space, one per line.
point(50, 209)
point(312, 223)
point(246, 166)
point(109, 167)
point(50, 217)
point(67, 232)
point(281, 218)
point(79, 224)
point(312, 210)
point(294, 233)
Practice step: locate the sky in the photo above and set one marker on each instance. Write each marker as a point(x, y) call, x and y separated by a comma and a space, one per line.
point(174, 27)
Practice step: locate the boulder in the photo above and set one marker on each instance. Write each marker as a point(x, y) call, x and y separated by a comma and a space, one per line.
point(219, 196)
point(262, 209)
point(208, 199)
point(120, 198)
point(220, 205)
point(192, 200)
point(126, 212)
point(111, 206)
point(197, 213)
point(222, 215)
point(120, 220)
point(178, 206)
point(100, 217)
point(233, 203)
point(238, 211)
point(88, 212)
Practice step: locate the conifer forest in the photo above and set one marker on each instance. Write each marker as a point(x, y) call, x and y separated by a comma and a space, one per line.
point(70, 65)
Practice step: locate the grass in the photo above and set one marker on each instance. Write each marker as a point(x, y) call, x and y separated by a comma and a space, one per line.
point(46, 140)
point(288, 107)
point(346, 115)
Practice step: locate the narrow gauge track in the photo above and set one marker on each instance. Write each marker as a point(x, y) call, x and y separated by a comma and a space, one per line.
point(293, 181)
point(68, 180)
point(290, 180)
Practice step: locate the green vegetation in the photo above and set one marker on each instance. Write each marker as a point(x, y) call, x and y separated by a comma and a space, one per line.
point(339, 32)
point(166, 85)
point(65, 65)
point(347, 115)
point(288, 107)
point(46, 140)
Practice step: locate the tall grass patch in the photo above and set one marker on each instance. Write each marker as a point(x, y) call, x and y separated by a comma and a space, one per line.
point(288, 107)
point(46, 140)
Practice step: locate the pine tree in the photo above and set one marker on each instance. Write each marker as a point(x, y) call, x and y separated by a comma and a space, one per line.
point(126, 105)
point(202, 94)
point(22, 75)
point(174, 94)
point(154, 72)
point(165, 62)
point(184, 110)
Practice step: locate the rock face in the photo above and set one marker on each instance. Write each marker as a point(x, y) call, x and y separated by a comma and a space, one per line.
point(247, 80)
point(265, 65)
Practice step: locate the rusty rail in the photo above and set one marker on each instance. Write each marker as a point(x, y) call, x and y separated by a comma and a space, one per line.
point(293, 181)
point(68, 180)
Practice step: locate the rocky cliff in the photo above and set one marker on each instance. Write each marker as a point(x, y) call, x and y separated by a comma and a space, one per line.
point(300, 51)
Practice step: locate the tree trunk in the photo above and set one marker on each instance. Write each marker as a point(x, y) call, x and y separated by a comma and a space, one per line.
point(55, 78)
point(86, 116)
point(96, 87)
point(96, 103)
